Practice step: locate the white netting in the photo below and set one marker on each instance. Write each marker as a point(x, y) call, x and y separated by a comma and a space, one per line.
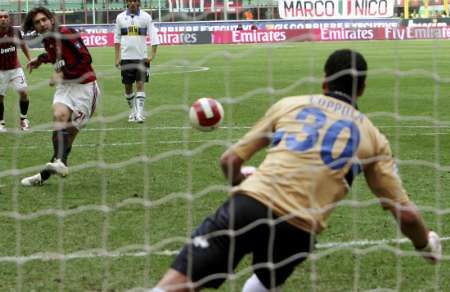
point(135, 192)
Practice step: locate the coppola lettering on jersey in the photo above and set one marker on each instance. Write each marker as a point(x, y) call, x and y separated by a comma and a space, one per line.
point(320, 9)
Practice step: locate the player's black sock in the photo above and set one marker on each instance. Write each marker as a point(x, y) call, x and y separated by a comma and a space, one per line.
point(24, 108)
point(45, 174)
point(66, 156)
point(2, 110)
point(61, 145)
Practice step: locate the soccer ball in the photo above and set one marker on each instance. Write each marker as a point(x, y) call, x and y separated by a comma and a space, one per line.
point(206, 114)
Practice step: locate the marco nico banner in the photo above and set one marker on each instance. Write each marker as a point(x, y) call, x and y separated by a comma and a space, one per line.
point(320, 9)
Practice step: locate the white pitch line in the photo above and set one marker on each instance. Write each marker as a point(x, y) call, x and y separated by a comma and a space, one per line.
point(139, 129)
point(112, 254)
point(114, 144)
point(230, 127)
point(184, 69)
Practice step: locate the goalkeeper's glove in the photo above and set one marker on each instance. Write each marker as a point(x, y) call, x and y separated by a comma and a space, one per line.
point(432, 252)
point(248, 170)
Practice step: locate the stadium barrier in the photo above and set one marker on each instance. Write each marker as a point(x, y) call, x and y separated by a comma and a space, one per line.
point(277, 36)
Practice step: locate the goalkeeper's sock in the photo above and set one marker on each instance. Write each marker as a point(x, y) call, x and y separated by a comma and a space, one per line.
point(130, 99)
point(24, 104)
point(61, 148)
point(140, 102)
point(2, 110)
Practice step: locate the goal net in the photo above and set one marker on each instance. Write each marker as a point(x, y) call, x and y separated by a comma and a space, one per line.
point(135, 192)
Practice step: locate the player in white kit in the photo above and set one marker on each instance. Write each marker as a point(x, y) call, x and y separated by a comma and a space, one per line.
point(133, 26)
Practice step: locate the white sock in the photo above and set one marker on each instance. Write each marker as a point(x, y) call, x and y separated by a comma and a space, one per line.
point(156, 289)
point(254, 285)
point(140, 101)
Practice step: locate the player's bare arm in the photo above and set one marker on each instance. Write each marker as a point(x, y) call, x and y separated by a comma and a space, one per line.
point(117, 54)
point(153, 54)
point(231, 162)
point(413, 226)
point(56, 78)
point(25, 50)
point(34, 64)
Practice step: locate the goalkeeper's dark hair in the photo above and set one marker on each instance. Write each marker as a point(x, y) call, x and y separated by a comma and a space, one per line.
point(28, 24)
point(346, 71)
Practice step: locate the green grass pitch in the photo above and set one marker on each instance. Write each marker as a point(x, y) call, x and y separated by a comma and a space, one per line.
point(136, 191)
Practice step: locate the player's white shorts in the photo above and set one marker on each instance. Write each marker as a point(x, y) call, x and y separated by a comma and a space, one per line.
point(82, 99)
point(15, 77)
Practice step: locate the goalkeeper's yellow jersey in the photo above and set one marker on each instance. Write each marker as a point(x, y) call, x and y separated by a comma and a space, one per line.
point(319, 143)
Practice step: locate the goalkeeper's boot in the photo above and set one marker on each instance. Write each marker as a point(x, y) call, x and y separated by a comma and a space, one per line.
point(57, 167)
point(32, 181)
point(25, 124)
point(3, 127)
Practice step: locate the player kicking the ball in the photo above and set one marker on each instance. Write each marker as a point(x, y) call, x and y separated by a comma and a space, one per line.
point(76, 94)
point(318, 144)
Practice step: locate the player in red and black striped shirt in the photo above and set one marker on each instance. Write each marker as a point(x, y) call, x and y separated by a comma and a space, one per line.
point(76, 94)
point(11, 72)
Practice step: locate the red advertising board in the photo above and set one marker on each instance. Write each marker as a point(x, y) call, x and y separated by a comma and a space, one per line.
point(283, 35)
point(330, 34)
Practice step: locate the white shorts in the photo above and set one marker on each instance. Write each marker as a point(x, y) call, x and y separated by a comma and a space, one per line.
point(14, 76)
point(82, 99)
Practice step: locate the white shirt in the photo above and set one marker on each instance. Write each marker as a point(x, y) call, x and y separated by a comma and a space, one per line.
point(132, 31)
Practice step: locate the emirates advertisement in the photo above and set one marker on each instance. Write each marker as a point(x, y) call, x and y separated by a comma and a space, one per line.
point(283, 35)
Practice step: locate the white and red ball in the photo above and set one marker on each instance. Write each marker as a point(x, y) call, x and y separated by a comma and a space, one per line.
point(206, 114)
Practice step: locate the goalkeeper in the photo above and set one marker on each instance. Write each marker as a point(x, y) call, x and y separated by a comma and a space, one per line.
point(318, 144)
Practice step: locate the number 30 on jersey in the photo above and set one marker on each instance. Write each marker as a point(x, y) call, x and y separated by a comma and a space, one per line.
point(330, 137)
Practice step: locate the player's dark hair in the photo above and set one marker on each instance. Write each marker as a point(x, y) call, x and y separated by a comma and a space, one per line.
point(28, 24)
point(346, 72)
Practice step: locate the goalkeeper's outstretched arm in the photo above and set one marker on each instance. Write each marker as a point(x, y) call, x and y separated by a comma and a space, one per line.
point(413, 226)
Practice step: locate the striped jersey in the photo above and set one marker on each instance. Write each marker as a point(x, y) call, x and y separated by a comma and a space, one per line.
point(66, 49)
point(131, 32)
point(9, 43)
point(319, 144)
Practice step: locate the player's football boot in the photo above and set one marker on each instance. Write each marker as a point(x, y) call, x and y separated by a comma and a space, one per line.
point(57, 167)
point(3, 127)
point(139, 118)
point(24, 124)
point(31, 181)
point(132, 118)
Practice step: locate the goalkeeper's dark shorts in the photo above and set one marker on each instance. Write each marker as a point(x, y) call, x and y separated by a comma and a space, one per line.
point(134, 70)
point(242, 225)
